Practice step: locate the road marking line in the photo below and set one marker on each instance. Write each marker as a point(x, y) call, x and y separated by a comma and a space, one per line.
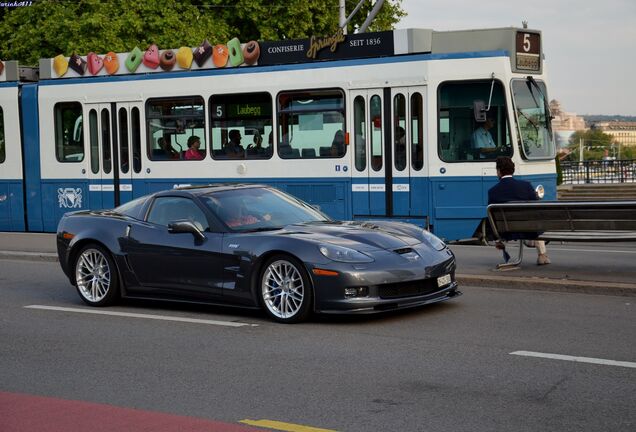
point(288, 427)
point(594, 250)
point(146, 316)
point(575, 359)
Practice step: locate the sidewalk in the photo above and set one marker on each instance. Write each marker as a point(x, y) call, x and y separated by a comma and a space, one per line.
point(595, 268)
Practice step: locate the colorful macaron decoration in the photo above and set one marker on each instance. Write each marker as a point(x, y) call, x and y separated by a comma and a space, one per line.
point(77, 63)
point(251, 52)
point(220, 55)
point(95, 63)
point(184, 57)
point(202, 53)
point(236, 54)
point(167, 60)
point(134, 59)
point(151, 57)
point(60, 65)
point(111, 63)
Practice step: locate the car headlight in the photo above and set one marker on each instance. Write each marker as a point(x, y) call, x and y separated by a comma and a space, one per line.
point(433, 240)
point(540, 191)
point(344, 254)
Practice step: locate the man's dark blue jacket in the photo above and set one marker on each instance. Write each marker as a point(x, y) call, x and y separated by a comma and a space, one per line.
point(511, 189)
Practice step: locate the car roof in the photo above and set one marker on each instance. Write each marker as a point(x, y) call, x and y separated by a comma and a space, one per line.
point(206, 189)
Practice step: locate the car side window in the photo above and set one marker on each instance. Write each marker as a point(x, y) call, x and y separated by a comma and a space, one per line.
point(169, 209)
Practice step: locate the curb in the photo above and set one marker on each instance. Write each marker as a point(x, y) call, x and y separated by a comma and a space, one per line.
point(28, 256)
point(545, 284)
point(503, 282)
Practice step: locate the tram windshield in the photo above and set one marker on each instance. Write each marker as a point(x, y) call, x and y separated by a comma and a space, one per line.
point(533, 118)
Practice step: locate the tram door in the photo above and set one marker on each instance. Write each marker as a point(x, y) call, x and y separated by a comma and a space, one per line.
point(367, 137)
point(407, 152)
point(115, 152)
point(388, 147)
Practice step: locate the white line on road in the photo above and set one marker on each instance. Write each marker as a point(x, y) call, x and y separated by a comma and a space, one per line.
point(146, 316)
point(575, 359)
point(594, 250)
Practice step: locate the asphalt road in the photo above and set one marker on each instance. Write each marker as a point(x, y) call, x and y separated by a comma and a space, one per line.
point(438, 368)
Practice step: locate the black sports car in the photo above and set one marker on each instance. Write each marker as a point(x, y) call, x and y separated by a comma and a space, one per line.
point(251, 246)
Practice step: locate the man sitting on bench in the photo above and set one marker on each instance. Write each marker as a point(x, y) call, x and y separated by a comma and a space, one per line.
point(510, 189)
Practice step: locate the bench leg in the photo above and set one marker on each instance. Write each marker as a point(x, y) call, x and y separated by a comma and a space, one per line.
point(516, 261)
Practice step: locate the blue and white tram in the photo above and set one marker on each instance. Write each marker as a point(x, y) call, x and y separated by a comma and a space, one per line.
point(386, 132)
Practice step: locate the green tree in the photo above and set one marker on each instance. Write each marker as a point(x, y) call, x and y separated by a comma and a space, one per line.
point(595, 142)
point(51, 27)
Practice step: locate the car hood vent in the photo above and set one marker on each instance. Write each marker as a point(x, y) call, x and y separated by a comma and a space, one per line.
point(403, 251)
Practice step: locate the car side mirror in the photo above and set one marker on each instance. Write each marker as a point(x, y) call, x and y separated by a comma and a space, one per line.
point(185, 226)
point(479, 111)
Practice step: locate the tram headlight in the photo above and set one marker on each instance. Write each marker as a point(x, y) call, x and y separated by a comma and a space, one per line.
point(540, 191)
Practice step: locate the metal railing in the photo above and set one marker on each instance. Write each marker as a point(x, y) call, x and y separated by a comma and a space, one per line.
point(599, 171)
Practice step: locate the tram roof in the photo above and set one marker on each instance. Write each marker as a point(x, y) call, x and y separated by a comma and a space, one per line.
point(315, 49)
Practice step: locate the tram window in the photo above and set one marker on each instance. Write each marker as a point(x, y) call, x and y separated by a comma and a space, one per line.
point(171, 124)
point(94, 137)
point(399, 131)
point(359, 131)
point(69, 136)
point(462, 139)
point(106, 153)
point(535, 134)
point(311, 124)
point(2, 150)
point(135, 127)
point(417, 131)
point(375, 120)
point(124, 157)
point(241, 126)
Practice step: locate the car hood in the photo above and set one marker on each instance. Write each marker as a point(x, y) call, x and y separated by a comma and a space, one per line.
point(362, 236)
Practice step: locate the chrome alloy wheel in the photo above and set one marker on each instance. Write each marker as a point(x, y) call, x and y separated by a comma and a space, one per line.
point(92, 274)
point(283, 289)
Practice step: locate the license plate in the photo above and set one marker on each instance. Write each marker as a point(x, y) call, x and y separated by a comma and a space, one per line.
point(443, 280)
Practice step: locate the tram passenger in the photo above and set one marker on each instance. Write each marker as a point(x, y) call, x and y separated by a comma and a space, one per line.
point(510, 189)
point(338, 144)
point(233, 148)
point(193, 152)
point(256, 148)
point(168, 151)
point(482, 139)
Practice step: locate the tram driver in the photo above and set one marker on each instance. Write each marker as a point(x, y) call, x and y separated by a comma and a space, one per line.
point(482, 140)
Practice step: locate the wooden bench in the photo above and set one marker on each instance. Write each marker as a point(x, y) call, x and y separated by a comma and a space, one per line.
point(607, 221)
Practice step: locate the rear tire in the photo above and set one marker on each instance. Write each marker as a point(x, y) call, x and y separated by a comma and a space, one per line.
point(285, 289)
point(96, 276)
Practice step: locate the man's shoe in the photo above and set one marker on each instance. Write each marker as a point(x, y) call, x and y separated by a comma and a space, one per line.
point(543, 259)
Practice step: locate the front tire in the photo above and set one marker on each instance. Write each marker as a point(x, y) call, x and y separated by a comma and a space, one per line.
point(96, 276)
point(285, 290)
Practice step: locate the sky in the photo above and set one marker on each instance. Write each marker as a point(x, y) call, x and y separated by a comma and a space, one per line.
point(589, 45)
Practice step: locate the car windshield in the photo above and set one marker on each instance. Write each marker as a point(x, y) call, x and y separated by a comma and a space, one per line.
point(132, 208)
point(259, 209)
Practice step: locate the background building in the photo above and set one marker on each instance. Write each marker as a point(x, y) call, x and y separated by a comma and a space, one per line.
point(564, 124)
point(623, 133)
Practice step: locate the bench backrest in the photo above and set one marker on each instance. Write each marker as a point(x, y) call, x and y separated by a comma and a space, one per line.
point(542, 216)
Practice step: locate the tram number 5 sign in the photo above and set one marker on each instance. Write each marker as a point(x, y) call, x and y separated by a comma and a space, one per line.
point(528, 49)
